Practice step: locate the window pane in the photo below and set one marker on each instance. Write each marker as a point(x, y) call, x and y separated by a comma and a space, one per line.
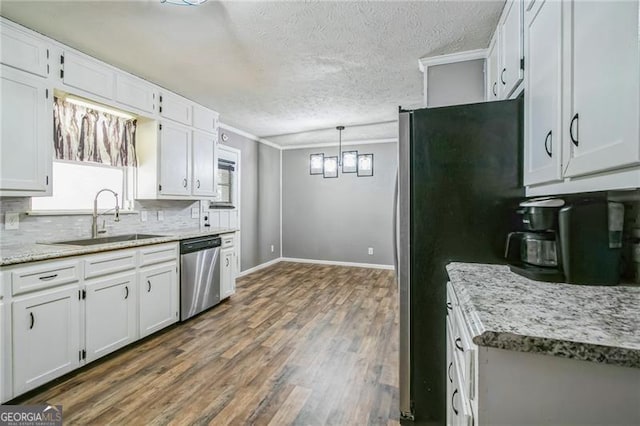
point(75, 186)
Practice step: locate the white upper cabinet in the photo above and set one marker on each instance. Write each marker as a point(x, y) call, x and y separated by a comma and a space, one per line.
point(492, 70)
point(23, 51)
point(543, 114)
point(204, 164)
point(176, 108)
point(86, 74)
point(175, 159)
point(26, 139)
point(136, 93)
point(205, 119)
point(602, 91)
point(511, 47)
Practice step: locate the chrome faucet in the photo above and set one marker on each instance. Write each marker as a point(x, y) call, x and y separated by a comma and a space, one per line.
point(94, 222)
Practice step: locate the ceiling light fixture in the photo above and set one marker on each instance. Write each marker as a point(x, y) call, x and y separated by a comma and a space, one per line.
point(184, 2)
point(349, 161)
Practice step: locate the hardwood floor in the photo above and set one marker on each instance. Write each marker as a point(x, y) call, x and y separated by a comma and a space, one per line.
point(297, 344)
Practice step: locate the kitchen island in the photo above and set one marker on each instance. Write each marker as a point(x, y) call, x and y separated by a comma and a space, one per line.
point(522, 351)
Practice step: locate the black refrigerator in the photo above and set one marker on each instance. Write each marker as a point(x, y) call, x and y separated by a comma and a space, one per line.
point(459, 185)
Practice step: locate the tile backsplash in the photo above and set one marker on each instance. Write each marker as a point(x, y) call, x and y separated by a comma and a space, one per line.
point(33, 228)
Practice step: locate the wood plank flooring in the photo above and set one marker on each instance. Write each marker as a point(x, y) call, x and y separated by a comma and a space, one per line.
point(297, 344)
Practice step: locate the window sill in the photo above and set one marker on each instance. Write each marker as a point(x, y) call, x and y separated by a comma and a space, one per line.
point(74, 212)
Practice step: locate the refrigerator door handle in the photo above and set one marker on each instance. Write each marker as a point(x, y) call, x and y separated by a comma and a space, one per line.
point(395, 228)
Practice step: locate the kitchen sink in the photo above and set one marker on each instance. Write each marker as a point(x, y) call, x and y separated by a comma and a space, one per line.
point(105, 240)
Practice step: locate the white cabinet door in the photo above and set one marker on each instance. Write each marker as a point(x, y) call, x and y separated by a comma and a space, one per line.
point(110, 314)
point(227, 275)
point(46, 337)
point(492, 70)
point(135, 93)
point(603, 90)
point(87, 74)
point(511, 73)
point(23, 51)
point(158, 292)
point(26, 139)
point(205, 164)
point(543, 115)
point(176, 108)
point(174, 161)
point(205, 119)
point(5, 358)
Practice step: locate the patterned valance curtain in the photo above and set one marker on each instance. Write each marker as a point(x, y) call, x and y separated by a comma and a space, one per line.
point(84, 134)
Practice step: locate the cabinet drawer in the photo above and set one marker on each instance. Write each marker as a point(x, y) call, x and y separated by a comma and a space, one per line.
point(108, 263)
point(227, 240)
point(158, 254)
point(42, 276)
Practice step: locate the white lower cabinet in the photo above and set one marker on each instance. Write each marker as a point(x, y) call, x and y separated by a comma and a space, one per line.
point(46, 336)
point(5, 367)
point(58, 315)
point(159, 294)
point(227, 280)
point(110, 314)
point(490, 386)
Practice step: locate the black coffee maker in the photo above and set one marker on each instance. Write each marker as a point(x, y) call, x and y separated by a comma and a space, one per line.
point(576, 241)
point(535, 252)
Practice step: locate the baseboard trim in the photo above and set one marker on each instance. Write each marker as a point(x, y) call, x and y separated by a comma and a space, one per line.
point(260, 266)
point(336, 262)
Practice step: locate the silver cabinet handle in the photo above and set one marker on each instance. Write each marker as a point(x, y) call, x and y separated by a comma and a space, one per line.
point(126, 295)
point(198, 183)
point(226, 262)
point(149, 288)
point(184, 182)
point(33, 320)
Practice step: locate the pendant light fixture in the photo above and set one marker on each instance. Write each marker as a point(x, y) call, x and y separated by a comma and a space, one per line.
point(348, 161)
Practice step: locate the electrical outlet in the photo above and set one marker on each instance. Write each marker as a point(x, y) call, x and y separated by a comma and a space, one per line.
point(11, 220)
point(195, 213)
point(160, 215)
point(370, 251)
point(144, 215)
point(272, 248)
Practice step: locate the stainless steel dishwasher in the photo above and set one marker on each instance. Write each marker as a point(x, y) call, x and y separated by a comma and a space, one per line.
point(199, 275)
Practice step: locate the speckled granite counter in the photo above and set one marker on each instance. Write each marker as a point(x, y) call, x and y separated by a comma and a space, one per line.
point(504, 310)
point(22, 253)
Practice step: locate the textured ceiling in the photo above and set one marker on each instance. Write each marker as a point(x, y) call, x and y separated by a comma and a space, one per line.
point(274, 69)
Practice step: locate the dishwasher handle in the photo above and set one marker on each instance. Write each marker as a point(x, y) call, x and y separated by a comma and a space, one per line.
point(198, 244)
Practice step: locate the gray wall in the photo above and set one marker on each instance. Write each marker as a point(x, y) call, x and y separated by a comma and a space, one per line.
point(260, 199)
point(454, 84)
point(338, 219)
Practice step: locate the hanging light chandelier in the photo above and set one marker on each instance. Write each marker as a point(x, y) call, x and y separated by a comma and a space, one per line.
point(348, 161)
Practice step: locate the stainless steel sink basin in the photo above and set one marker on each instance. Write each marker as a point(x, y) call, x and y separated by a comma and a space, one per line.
point(105, 240)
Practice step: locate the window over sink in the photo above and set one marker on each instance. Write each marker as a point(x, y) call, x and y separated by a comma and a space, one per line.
point(94, 148)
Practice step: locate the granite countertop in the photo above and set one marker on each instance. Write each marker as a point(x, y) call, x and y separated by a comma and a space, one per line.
point(504, 310)
point(32, 252)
